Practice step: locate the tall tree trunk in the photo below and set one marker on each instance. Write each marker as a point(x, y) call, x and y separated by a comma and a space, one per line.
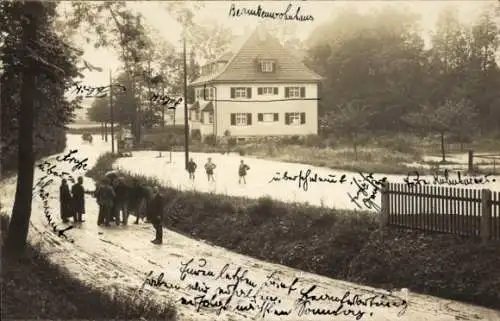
point(105, 131)
point(442, 148)
point(21, 212)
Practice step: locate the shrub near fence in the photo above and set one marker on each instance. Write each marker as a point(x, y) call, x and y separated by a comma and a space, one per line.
point(467, 212)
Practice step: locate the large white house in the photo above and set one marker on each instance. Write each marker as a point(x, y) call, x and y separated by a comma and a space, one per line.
point(260, 89)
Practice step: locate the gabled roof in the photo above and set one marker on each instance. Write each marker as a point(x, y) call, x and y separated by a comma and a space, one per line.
point(209, 107)
point(203, 105)
point(242, 67)
point(195, 105)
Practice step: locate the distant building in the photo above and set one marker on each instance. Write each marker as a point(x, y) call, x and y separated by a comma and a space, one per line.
point(259, 90)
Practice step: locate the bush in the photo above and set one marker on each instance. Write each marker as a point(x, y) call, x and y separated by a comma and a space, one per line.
point(444, 265)
point(231, 142)
point(196, 135)
point(210, 140)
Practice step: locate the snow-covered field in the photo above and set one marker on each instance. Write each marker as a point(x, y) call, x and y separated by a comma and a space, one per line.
point(120, 258)
point(259, 178)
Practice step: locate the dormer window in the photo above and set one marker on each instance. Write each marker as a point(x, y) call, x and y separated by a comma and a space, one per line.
point(267, 66)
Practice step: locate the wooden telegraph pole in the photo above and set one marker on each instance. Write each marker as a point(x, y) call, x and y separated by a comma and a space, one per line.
point(186, 125)
point(111, 114)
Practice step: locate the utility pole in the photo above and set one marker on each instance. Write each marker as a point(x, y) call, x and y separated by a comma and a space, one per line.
point(186, 125)
point(111, 113)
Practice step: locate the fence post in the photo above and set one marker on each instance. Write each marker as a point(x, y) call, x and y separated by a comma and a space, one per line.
point(384, 206)
point(471, 160)
point(485, 215)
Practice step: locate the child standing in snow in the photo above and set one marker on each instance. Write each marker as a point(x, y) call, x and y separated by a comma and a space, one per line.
point(242, 171)
point(209, 168)
point(191, 168)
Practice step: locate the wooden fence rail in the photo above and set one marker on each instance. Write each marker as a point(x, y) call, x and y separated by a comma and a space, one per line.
point(467, 212)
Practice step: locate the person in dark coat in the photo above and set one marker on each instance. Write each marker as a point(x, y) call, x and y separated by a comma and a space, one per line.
point(96, 194)
point(65, 201)
point(120, 203)
point(78, 199)
point(155, 215)
point(242, 171)
point(105, 198)
point(191, 168)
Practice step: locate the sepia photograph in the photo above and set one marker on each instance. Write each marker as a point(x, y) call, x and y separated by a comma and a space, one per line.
point(250, 160)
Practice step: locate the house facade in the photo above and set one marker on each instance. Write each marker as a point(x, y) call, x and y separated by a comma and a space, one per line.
point(260, 90)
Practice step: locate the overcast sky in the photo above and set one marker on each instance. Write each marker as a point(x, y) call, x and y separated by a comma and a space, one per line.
point(157, 17)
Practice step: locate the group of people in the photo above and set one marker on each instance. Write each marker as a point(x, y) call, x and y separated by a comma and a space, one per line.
point(114, 196)
point(72, 201)
point(209, 169)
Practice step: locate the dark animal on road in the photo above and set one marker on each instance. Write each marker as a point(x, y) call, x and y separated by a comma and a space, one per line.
point(139, 196)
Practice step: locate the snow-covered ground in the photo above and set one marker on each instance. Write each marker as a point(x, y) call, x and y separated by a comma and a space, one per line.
point(259, 178)
point(120, 258)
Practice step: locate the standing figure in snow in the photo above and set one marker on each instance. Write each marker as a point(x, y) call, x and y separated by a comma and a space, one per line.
point(191, 168)
point(65, 201)
point(78, 199)
point(120, 204)
point(209, 168)
point(155, 215)
point(242, 171)
point(105, 198)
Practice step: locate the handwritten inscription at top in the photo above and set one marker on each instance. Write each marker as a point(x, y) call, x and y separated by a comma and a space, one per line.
point(232, 289)
point(94, 92)
point(287, 14)
point(166, 100)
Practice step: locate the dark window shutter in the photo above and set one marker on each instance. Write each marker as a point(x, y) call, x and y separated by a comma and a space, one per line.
point(302, 91)
point(260, 117)
point(287, 92)
point(276, 117)
point(233, 92)
point(249, 119)
point(202, 117)
point(302, 118)
point(259, 91)
point(273, 67)
point(249, 92)
point(287, 119)
point(275, 90)
point(233, 119)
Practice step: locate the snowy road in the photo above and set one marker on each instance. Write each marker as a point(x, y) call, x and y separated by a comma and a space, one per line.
point(119, 259)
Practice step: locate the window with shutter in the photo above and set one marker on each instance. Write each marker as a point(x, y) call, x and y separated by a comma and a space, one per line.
point(260, 117)
point(259, 91)
point(293, 118)
point(233, 92)
point(249, 92)
point(276, 117)
point(241, 92)
point(287, 92)
point(302, 118)
point(249, 119)
point(275, 90)
point(293, 92)
point(241, 119)
point(302, 92)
